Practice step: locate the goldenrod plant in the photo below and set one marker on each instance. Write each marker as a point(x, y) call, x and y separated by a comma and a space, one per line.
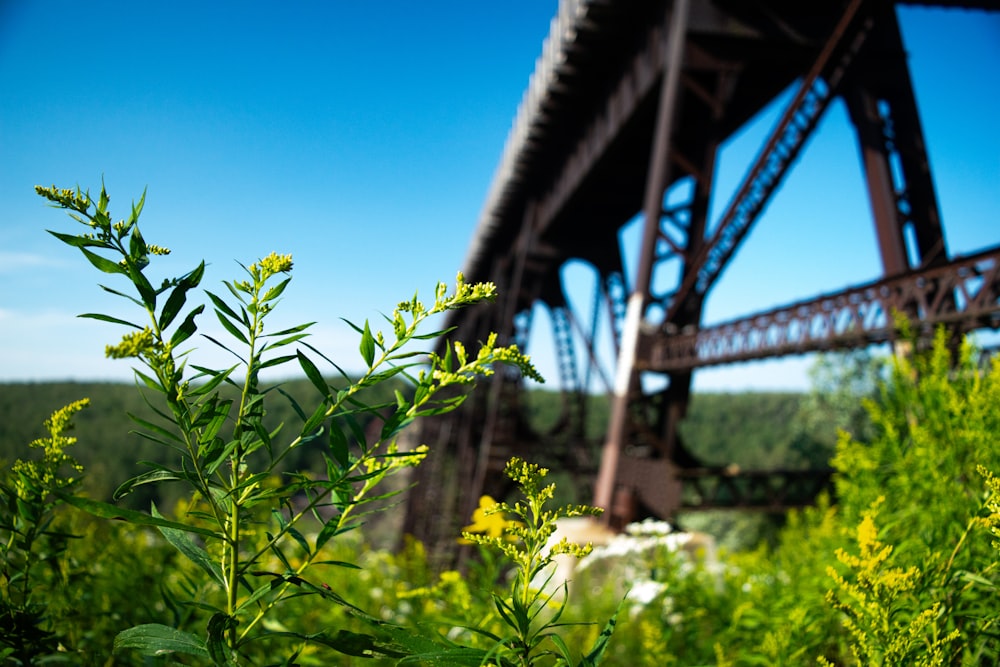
point(881, 614)
point(31, 544)
point(257, 539)
point(522, 533)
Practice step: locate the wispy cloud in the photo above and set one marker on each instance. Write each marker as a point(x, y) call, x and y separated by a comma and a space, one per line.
point(11, 262)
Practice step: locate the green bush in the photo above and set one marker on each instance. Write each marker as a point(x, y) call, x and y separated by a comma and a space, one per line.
point(260, 561)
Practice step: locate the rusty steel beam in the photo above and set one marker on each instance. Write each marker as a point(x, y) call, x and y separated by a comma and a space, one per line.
point(812, 98)
point(963, 294)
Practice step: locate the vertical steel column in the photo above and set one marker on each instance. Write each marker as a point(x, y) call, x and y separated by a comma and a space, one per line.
point(656, 182)
point(894, 156)
point(863, 108)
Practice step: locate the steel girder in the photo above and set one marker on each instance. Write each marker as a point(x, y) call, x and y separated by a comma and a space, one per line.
point(628, 104)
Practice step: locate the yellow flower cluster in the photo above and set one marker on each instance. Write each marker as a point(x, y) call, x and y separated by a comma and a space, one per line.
point(35, 478)
point(271, 265)
point(134, 344)
point(875, 602)
point(992, 520)
point(74, 199)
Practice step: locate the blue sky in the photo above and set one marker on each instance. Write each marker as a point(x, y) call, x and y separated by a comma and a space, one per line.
point(362, 137)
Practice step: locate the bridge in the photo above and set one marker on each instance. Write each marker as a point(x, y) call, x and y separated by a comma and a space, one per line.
point(624, 116)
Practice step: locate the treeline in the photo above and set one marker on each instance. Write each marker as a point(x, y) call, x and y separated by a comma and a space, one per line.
point(752, 430)
point(110, 449)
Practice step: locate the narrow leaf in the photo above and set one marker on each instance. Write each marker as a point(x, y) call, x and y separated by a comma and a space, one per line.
point(313, 374)
point(367, 346)
point(180, 540)
point(292, 330)
point(218, 625)
point(218, 377)
point(157, 639)
point(156, 428)
point(78, 241)
point(108, 511)
point(339, 446)
point(230, 351)
point(150, 477)
point(146, 291)
point(187, 327)
point(274, 292)
point(222, 305)
point(596, 653)
point(231, 328)
point(137, 208)
point(122, 295)
point(108, 318)
point(178, 296)
point(277, 361)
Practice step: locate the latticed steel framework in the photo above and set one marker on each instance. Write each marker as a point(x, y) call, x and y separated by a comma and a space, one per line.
point(624, 115)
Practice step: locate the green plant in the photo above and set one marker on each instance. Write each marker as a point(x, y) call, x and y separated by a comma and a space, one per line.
point(521, 533)
point(880, 609)
point(31, 546)
point(256, 538)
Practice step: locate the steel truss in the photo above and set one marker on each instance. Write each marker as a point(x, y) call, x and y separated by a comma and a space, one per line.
point(963, 295)
point(624, 116)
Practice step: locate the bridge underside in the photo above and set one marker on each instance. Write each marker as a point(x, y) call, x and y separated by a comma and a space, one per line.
point(624, 116)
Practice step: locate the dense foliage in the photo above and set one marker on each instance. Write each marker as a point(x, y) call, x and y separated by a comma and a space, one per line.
point(259, 563)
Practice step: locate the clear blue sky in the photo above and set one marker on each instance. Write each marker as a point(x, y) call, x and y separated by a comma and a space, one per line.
point(362, 137)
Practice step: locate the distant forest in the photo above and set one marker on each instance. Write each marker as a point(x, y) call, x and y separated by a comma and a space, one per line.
point(753, 430)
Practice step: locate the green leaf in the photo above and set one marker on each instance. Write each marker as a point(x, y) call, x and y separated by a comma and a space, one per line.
point(222, 305)
point(561, 646)
point(151, 477)
point(339, 446)
point(292, 330)
point(231, 328)
point(146, 291)
point(315, 421)
point(277, 361)
point(137, 245)
point(313, 374)
point(109, 511)
point(596, 653)
point(394, 424)
point(288, 340)
point(218, 377)
point(459, 656)
point(137, 208)
point(78, 241)
point(367, 346)
point(299, 539)
point(105, 265)
point(178, 296)
point(187, 327)
point(157, 639)
point(155, 428)
point(218, 625)
point(330, 529)
point(211, 418)
point(122, 295)
point(108, 318)
point(180, 540)
point(215, 459)
point(227, 349)
point(276, 550)
point(148, 381)
point(274, 292)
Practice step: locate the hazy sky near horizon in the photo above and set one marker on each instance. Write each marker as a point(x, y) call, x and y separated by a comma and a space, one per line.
point(362, 138)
